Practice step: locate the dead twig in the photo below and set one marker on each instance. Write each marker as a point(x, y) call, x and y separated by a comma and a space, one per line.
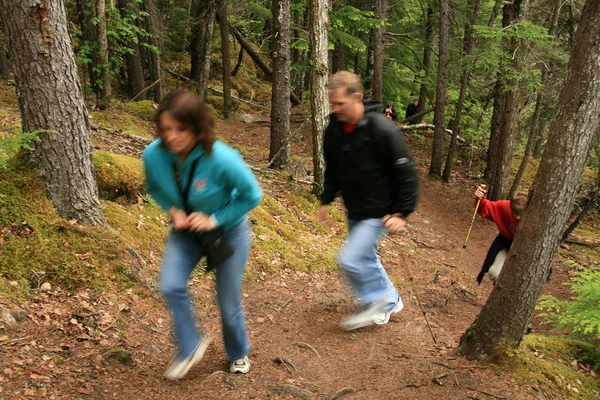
point(308, 346)
point(285, 362)
point(287, 302)
point(14, 340)
point(293, 390)
point(438, 379)
point(482, 392)
point(442, 364)
point(343, 392)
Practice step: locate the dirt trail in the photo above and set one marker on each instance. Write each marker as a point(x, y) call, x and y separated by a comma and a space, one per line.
point(298, 351)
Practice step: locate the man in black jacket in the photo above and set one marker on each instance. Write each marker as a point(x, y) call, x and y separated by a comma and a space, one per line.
point(367, 160)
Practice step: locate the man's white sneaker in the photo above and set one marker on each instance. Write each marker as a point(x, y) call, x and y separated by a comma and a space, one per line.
point(365, 317)
point(241, 365)
point(383, 318)
point(179, 367)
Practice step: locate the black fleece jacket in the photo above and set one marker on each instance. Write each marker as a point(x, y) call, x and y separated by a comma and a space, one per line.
point(371, 166)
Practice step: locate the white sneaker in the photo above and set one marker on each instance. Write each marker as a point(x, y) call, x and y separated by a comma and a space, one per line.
point(384, 317)
point(179, 367)
point(241, 365)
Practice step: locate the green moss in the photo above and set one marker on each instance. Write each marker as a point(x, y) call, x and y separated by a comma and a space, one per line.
point(143, 109)
point(120, 355)
point(118, 175)
point(471, 332)
point(120, 120)
point(546, 361)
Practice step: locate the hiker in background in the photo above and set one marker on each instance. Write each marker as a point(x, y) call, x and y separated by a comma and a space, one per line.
point(411, 110)
point(390, 112)
point(367, 160)
point(506, 215)
point(207, 189)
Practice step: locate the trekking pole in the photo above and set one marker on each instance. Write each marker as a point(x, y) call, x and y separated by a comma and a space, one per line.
point(453, 281)
point(414, 288)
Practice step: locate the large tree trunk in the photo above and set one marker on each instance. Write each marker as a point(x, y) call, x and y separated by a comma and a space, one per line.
point(135, 71)
point(573, 132)
point(85, 13)
point(319, 72)
point(280, 106)
point(202, 39)
point(226, 55)
point(50, 99)
point(103, 60)
point(298, 57)
point(369, 72)
point(464, 80)
point(440, 91)
point(495, 128)
point(4, 66)
point(500, 179)
point(380, 9)
point(588, 202)
point(153, 40)
point(423, 92)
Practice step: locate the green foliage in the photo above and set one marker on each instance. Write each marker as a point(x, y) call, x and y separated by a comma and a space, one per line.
point(580, 315)
point(12, 143)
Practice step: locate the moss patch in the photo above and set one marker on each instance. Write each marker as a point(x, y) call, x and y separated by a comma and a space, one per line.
point(548, 361)
point(144, 109)
point(120, 120)
point(118, 176)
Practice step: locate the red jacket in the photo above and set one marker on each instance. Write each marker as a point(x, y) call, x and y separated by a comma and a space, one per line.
point(499, 213)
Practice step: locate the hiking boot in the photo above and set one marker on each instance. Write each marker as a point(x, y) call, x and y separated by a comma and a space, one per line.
point(241, 365)
point(384, 317)
point(180, 366)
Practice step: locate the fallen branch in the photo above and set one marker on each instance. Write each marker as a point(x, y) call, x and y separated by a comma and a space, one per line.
point(285, 362)
point(14, 340)
point(287, 141)
point(308, 346)
point(343, 392)
point(293, 390)
point(145, 90)
point(483, 392)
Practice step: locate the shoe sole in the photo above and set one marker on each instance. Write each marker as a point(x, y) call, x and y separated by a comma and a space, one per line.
point(196, 358)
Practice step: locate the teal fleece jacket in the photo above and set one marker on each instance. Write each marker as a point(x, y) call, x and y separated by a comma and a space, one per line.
point(223, 186)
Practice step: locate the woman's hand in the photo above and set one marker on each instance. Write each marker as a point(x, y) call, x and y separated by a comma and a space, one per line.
point(178, 218)
point(200, 222)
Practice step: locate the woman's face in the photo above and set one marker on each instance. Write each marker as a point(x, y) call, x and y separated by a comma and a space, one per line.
point(178, 137)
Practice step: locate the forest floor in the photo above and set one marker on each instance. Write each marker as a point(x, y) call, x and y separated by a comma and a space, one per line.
point(64, 342)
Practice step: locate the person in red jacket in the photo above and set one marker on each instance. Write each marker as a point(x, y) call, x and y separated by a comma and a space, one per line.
point(506, 215)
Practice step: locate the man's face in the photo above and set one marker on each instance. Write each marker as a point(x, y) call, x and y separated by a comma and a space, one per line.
point(416, 102)
point(344, 105)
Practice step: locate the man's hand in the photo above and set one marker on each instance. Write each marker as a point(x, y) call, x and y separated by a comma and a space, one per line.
point(480, 191)
point(198, 221)
point(322, 215)
point(394, 223)
point(178, 218)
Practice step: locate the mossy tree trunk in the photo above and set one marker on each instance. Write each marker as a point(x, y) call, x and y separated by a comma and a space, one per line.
point(279, 151)
point(319, 73)
point(50, 99)
point(572, 134)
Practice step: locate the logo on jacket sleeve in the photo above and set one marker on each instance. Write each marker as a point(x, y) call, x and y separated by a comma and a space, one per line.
point(200, 184)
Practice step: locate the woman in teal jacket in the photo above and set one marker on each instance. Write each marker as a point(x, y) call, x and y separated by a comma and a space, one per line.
point(206, 188)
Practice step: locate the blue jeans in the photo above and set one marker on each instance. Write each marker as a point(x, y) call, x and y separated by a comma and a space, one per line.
point(360, 263)
point(179, 260)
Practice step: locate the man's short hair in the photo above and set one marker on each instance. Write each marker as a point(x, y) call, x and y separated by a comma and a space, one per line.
point(518, 203)
point(345, 79)
point(415, 99)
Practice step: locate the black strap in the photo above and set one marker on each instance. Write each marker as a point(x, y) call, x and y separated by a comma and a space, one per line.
point(186, 190)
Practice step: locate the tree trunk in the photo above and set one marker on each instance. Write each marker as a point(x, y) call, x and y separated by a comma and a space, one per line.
point(423, 92)
point(440, 96)
point(573, 132)
point(280, 106)
point(260, 63)
point(89, 35)
point(238, 63)
point(135, 71)
point(590, 200)
point(495, 11)
point(103, 60)
point(197, 39)
point(153, 40)
point(380, 9)
point(205, 53)
point(466, 75)
point(50, 99)
point(339, 58)
point(4, 66)
point(500, 179)
point(226, 55)
point(495, 128)
point(298, 58)
point(319, 72)
point(369, 73)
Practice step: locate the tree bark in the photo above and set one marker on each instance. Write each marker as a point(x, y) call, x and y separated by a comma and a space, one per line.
point(280, 106)
point(103, 60)
point(380, 9)
point(369, 72)
point(135, 71)
point(319, 72)
point(423, 92)
point(573, 132)
point(495, 128)
point(590, 200)
point(464, 80)
point(238, 63)
point(50, 99)
point(440, 96)
point(4, 66)
point(339, 58)
point(89, 36)
point(226, 55)
point(154, 65)
point(202, 39)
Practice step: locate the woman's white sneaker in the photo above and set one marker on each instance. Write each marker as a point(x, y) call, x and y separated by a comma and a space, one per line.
point(241, 365)
point(179, 367)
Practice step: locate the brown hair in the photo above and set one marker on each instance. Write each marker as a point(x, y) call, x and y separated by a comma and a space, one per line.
point(346, 80)
point(187, 108)
point(518, 203)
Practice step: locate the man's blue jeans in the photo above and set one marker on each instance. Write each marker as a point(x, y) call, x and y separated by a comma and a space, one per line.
point(360, 263)
point(179, 260)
